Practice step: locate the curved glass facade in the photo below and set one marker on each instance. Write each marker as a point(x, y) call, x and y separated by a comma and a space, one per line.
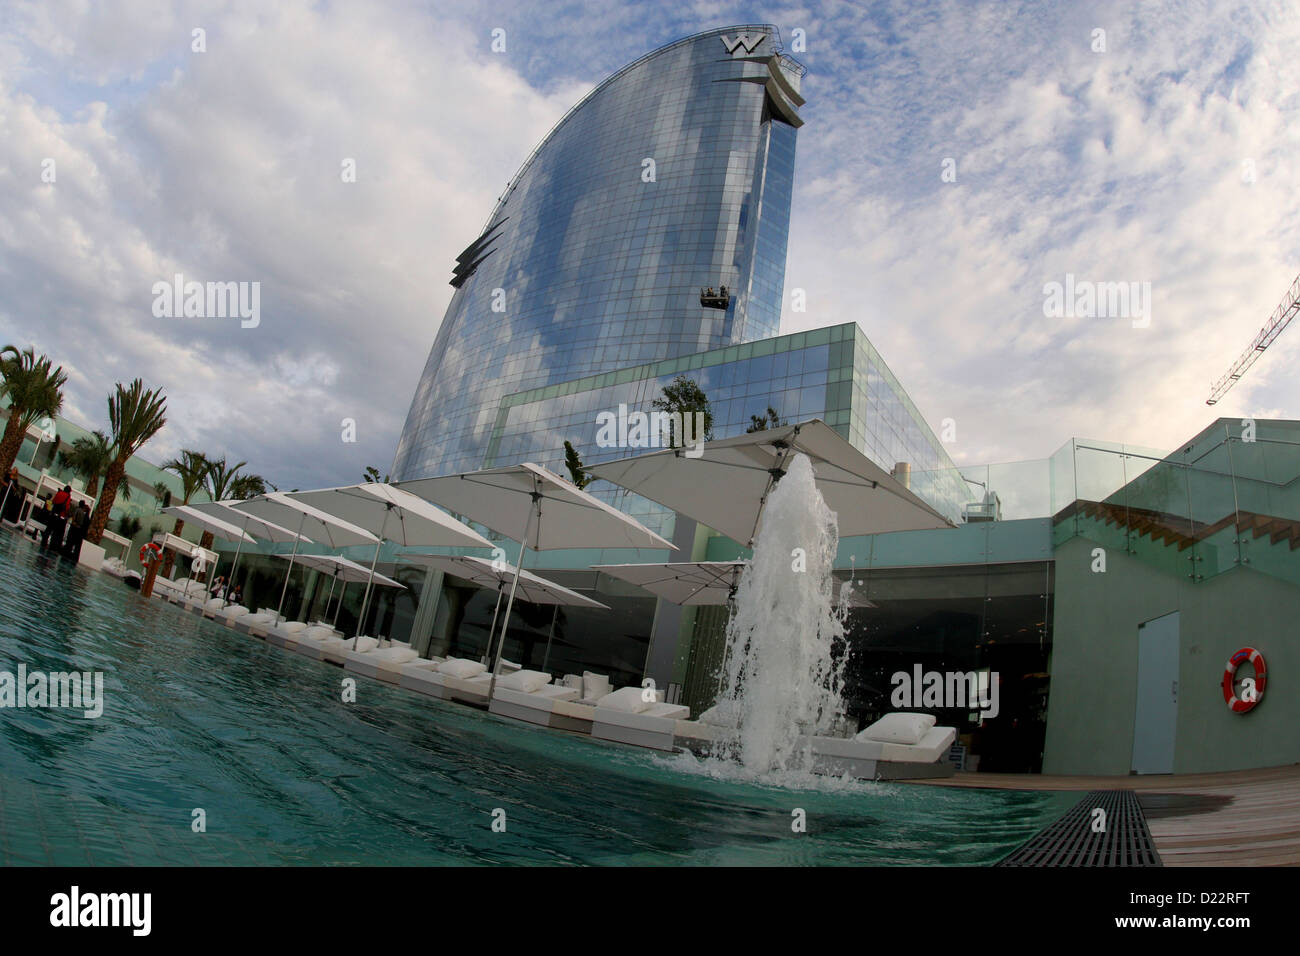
point(673, 175)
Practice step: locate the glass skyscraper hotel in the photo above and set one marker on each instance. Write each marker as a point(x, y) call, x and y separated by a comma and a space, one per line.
point(672, 176)
point(644, 240)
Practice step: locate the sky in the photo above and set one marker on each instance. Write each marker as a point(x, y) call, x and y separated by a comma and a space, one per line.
point(957, 159)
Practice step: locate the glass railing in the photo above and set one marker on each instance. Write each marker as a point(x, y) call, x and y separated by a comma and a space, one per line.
point(1225, 500)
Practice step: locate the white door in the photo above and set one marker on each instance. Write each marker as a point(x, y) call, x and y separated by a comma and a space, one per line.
point(1155, 724)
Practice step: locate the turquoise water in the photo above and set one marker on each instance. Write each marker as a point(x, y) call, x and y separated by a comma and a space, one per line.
point(197, 716)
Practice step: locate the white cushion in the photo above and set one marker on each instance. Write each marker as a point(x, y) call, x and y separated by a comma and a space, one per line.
point(594, 685)
point(899, 728)
point(458, 667)
point(626, 699)
point(526, 681)
point(574, 681)
point(721, 714)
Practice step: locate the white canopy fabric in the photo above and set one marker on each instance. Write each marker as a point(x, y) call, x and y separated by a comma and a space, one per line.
point(540, 510)
point(251, 524)
point(219, 527)
point(690, 584)
point(393, 515)
point(699, 583)
point(259, 528)
point(532, 588)
point(503, 500)
point(322, 527)
point(341, 568)
point(727, 485)
point(317, 525)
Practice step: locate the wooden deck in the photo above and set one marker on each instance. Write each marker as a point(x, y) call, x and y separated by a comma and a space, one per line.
point(1240, 818)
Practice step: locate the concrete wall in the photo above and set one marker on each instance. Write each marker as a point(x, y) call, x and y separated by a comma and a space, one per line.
point(1094, 664)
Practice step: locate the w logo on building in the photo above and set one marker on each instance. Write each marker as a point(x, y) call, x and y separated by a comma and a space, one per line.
point(750, 43)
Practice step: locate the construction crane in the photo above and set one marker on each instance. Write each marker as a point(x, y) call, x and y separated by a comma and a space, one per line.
point(1281, 317)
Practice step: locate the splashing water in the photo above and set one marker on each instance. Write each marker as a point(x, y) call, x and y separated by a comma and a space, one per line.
point(782, 678)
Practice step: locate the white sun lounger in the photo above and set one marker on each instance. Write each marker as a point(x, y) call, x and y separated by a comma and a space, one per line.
point(536, 708)
point(653, 727)
point(312, 641)
point(467, 690)
point(367, 662)
point(878, 760)
point(422, 677)
point(230, 613)
point(335, 649)
point(286, 633)
point(260, 624)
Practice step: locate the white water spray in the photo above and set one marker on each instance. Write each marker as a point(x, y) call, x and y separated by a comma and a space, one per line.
point(781, 680)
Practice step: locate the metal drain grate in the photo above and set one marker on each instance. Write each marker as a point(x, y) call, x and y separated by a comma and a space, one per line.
point(1071, 840)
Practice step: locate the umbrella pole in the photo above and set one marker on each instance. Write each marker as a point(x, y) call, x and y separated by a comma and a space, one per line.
point(292, 558)
point(501, 643)
point(487, 651)
point(338, 607)
point(333, 581)
point(365, 601)
point(550, 634)
point(233, 564)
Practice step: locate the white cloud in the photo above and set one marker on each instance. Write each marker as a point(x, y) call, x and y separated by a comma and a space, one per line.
point(226, 166)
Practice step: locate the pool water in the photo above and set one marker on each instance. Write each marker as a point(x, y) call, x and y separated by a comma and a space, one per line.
point(199, 717)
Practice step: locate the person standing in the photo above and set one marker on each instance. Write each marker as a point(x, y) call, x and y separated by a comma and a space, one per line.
point(57, 519)
point(77, 532)
point(12, 496)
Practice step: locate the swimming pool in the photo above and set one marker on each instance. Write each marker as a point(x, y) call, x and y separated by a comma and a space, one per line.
point(198, 717)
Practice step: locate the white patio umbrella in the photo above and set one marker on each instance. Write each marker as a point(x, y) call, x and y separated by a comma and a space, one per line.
point(726, 486)
point(342, 569)
point(219, 527)
point(695, 583)
point(533, 589)
point(690, 584)
point(324, 528)
point(257, 527)
point(393, 515)
point(544, 510)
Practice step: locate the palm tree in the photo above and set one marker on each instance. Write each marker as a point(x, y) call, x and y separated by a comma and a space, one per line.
point(135, 415)
point(248, 486)
point(221, 479)
point(192, 469)
point(34, 388)
point(88, 459)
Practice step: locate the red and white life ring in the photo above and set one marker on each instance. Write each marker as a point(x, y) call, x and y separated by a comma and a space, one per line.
point(1236, 704)
point(148, 548)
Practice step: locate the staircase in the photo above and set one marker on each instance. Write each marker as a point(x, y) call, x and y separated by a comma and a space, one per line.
point(1183, 545)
